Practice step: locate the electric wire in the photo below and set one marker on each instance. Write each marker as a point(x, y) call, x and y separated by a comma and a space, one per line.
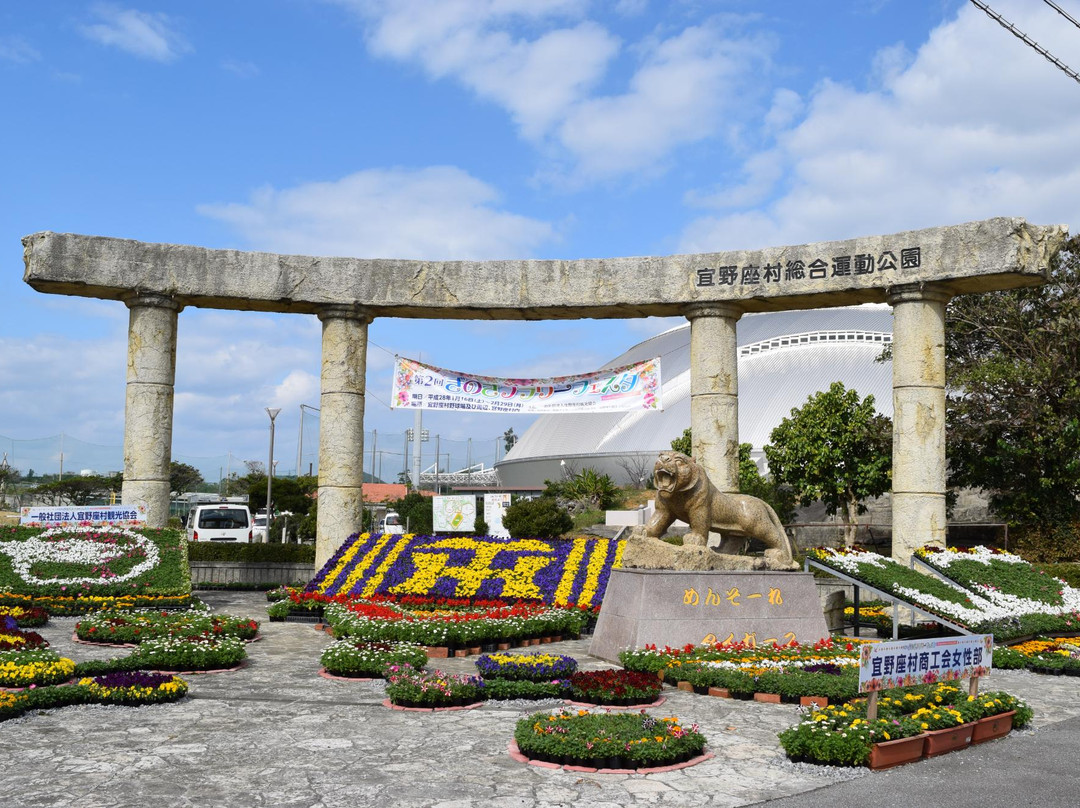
point(1012, 29)
point(1062, 12)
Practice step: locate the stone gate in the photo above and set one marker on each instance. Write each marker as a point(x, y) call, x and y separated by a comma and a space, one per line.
point(916, 272)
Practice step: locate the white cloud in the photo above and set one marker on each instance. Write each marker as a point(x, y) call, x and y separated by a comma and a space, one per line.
point(544, 64)
point(147, 35)
point(677, 96)
point(975, 126)
point(242, 69)
point(439, 212)
point(535, 80)
point(18, 50)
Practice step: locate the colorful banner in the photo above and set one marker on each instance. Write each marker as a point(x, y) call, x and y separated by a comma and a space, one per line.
point(885, 665)
point(632, 387)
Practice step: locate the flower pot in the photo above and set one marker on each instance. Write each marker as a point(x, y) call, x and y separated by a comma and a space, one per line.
point(701, 690)
point(768, 698)
point(786, 698)
point(719, 692)
point(1072, 671)
point(941, 741)
point(993, 726)
point(813, 701)
point(689, 688)
point(473, 650)
point(503, 646)
point(887, 754)
point(742, 695)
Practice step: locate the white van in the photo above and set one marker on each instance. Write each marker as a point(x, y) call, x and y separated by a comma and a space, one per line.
point(392, 523)
point(219, 521)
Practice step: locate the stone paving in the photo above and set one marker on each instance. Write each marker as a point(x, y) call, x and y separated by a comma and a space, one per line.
point(277, 734)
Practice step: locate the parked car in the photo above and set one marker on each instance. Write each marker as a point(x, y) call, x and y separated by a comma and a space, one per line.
point(392, 523)
point(219, 521)
point(258, 528)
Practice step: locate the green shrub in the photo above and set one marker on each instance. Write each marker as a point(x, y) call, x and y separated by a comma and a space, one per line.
point(537, 518)
point(273, 553)
point(1067, 572)
point(1049, 544)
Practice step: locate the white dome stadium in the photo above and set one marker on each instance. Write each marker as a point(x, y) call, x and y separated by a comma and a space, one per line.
point(784, 357)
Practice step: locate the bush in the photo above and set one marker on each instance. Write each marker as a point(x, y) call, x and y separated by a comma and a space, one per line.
point(537, 518)
point(274, 553)
point(1050, 544)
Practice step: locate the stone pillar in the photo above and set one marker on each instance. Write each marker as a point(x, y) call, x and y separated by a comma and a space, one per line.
point(341, 427)
point(714, 391)
point(148, 408)
point(918, 467)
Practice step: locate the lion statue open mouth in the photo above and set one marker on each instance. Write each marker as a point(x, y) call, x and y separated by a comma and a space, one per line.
point(685, 492)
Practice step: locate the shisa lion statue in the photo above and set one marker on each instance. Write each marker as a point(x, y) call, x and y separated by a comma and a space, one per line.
point(684, 492)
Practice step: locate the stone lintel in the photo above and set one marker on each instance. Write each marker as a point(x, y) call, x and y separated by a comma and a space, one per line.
point(977, 256)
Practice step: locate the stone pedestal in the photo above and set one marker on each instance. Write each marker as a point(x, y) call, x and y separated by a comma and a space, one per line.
point(675, 607)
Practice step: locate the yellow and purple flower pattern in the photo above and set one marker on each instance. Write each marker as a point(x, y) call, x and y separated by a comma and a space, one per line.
point(553, 571)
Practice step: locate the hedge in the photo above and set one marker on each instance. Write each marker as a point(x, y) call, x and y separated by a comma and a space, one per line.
point(274, 553)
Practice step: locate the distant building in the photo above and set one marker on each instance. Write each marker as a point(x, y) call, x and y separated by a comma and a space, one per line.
point(784, 357)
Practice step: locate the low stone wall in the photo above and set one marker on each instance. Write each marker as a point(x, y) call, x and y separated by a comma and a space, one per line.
point(250, 572)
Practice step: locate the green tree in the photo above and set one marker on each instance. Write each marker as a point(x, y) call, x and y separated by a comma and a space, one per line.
point(1013, 415)
point(683, 443)
point(415, 510)
point(835, 448)
point(78, 490)
point(183, 477)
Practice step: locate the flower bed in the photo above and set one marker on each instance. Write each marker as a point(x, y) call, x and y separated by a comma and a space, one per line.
point(607, 741)
point(34, 668)
point(408, 687)
point(130, 689)
point(196, 653)
point(74, 563)
point(14, 639)
point(841, 735)
point(134, 688)
point(985, 612)
point(1054, 656)
point(551, 571)
point(1024, 600)
point(616, 688)
point(71, 605)
point(526, 667)
point(668, 660)
point(451, 625)
point(132, 627)
point(362, 659)
point(24, 616)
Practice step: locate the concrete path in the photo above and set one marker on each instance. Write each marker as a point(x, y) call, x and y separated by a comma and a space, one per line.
point(277, 734)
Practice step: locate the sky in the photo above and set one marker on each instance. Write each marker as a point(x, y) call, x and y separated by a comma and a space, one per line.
point(477, 129)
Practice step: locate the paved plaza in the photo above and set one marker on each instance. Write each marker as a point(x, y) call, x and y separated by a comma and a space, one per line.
point(277, 734)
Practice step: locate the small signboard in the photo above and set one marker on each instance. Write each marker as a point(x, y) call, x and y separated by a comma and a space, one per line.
point(495, 506)
point(82, 514)
point(886, 665)
point(455, 514)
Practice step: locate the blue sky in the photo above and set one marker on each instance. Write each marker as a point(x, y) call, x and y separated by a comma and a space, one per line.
point(478, 129)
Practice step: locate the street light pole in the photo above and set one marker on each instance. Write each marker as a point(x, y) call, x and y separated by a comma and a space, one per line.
point(273, 413)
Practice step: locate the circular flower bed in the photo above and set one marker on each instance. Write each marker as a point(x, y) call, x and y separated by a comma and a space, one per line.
point(38, 668)
point(526, 667)
point(607, 741)
point(197, 653)
point(362, 659)
point(134, 687)
point(408, 687)
point(616, 688)
point(131, 627)
point(24, 616)
point(13, 639)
